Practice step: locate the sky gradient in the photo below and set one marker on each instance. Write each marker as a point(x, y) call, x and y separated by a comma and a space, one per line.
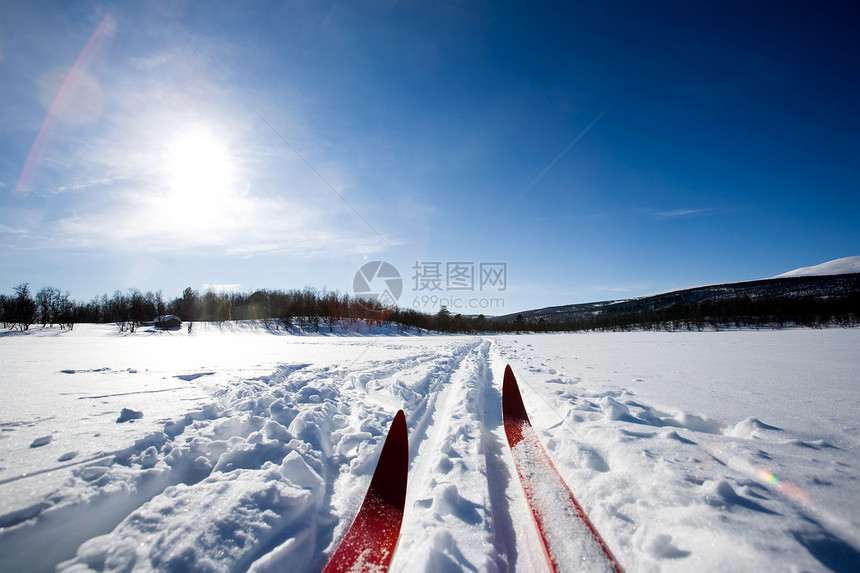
point(599, 150)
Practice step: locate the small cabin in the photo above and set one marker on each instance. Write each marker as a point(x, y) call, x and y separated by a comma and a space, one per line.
point(167, 322)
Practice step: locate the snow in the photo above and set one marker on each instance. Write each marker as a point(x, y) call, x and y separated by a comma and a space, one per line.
point(845, 265)
point(236, 448)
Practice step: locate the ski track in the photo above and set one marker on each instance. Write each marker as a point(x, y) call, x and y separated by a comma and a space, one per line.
point(449, 512)
point(281, 461)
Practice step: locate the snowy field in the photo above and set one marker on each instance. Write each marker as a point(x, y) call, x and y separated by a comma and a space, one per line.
point(234, 448)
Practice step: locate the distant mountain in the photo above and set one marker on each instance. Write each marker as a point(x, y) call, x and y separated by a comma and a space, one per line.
point(809, 300)
point(844, 266)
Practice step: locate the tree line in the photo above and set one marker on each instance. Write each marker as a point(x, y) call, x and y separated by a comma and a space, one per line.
point(306, 310)
point(313, 310)
point(132, 308)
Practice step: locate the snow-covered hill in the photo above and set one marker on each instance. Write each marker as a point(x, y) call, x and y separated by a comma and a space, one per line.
point(843, 266)
point(235, 448)
point(768, 303)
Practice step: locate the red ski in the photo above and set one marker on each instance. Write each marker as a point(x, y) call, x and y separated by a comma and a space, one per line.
point(370, 541)
point(570, 541)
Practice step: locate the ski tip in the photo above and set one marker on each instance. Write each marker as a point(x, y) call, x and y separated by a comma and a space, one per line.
point(512, 401)
point(398, 433)
point(390, 481)
point(399, 419)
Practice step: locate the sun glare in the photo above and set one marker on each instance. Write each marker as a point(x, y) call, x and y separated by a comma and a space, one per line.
point(198, 166)
point(201, 189)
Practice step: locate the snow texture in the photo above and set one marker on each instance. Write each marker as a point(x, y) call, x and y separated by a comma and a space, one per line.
point(234, 448)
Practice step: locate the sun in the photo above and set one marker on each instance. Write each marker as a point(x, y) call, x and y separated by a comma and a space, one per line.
point(198, 168)
point(198, 195)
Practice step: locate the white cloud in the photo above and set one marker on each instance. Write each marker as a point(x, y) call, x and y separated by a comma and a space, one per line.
point(615, 289)
point(234, 225)
point(179, 164)
point(12, 230)
point(682, 212)
point(221, 288)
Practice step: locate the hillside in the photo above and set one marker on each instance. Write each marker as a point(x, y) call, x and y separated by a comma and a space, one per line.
point(803, 300)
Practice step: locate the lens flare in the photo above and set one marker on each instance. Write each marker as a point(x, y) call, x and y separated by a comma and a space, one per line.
point(74, 99)
point(787, 489)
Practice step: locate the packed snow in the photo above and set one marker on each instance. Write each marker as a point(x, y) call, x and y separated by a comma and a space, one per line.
point(235, 448)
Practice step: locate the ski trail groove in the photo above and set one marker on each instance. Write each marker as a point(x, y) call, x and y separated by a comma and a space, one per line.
point(499, 475)
point(449, 509)
point(412, 383)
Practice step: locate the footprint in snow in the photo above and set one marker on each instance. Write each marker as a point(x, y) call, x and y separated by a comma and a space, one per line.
point(673, 435)
point(128, 414)
point(722, 494)
point(661, 546)
point(192, 377)
point(447, 501)
point(749, 428)
point(43, 441)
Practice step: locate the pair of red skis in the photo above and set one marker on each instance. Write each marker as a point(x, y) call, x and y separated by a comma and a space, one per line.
point(370, 541)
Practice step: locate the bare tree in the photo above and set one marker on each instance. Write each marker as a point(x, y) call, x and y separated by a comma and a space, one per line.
point(160, 307)
point(117, 310)
point(137, 308)
point(47, 301)
point(25, 307)
point(5, 310)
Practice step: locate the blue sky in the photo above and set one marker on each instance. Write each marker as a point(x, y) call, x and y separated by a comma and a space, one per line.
point(598, 149)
